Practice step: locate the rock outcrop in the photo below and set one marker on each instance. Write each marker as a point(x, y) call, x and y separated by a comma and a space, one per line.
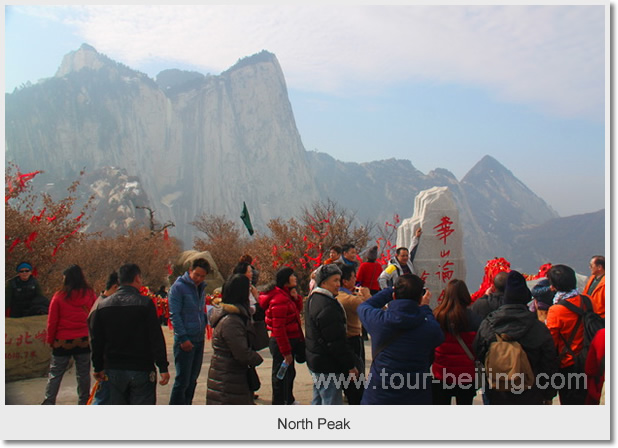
point(439, 257)
point(205, 145)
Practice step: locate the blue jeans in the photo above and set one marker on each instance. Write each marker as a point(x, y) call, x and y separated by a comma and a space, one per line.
point(325, 393)
point(132, 386)
point(102, 395)
point(188, 366)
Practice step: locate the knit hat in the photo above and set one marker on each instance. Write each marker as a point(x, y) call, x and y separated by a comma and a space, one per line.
point(516, 291)
point(543, 294)
point(325, 271)
point(372, 254)
point(23, 265)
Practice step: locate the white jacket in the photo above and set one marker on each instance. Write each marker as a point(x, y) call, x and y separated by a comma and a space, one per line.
point(393, 270)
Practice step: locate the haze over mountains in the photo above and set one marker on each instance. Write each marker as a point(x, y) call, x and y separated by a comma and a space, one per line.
point(189, 143)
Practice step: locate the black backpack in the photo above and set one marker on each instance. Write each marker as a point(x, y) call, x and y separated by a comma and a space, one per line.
point(592, 323)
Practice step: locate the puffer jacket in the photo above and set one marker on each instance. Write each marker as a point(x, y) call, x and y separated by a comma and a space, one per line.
point(412, 334)
point(232, 355)
point(282, 317)
point(187, 304)
point(327, 348)
point(68, 319)
point(451, 359)
point(522, 326)
point(24, 298)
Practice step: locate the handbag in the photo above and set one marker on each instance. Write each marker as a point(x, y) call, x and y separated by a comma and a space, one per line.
point(261, 335)
point(253, 379)
point(299, 351)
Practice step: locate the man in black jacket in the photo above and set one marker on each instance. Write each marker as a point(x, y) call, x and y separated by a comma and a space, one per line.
point(127, 342)
point(329, 357)
point(23, 294)
point(493, 299)
point(519, 324)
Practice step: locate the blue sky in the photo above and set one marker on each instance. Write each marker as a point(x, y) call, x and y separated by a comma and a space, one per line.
point(439, 85)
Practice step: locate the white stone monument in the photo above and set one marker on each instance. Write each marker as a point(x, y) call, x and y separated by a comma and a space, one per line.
point(439, 257)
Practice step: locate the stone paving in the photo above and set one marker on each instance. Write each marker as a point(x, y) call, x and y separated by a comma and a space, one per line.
point(31, 391)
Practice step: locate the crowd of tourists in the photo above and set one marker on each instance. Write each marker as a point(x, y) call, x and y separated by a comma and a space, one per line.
point(514, 344)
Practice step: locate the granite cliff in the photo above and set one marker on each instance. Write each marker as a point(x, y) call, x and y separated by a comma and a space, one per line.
point(199, 143)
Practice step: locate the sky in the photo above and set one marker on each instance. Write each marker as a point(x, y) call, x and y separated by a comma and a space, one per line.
point(441, 86)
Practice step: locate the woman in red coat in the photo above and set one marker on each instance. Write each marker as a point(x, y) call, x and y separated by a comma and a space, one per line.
point(67, 334)
point(452, 366)
point(282, 307)
point(369, 271)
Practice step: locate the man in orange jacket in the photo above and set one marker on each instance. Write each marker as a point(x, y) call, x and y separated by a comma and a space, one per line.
point(561, 323)
point(595, 287)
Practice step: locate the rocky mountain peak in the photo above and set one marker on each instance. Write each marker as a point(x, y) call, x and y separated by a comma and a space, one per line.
point(261, 57)
point(484, 167)
point(85, 57)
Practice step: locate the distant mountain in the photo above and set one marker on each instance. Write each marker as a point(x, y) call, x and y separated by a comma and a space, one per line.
point(499, 198)
point(572, 240)
point(193, 144)
point(494, 205)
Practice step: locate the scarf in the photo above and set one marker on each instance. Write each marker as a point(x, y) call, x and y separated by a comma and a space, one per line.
point(326, 292)
point(565, 295)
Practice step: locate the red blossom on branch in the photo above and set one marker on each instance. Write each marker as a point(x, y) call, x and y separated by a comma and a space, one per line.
point(30, 239)
point(16, 241)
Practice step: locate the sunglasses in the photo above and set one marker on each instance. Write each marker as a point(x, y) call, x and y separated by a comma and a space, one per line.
point(24, 271)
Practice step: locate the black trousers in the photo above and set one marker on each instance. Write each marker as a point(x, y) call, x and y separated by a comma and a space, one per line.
point(283, 392)
point(573, 391)
point(442, 395)
point(354, 393)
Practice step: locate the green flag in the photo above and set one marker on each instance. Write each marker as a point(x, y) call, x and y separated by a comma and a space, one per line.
point(246, 218)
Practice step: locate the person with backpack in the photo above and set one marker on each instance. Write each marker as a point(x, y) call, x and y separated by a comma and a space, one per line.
point(572, 323)
point(517, 350)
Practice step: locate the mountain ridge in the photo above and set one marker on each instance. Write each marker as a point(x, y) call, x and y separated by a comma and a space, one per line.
point(207, 143)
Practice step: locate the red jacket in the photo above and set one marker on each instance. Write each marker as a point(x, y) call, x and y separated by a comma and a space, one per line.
point(368, 274)
point(597, 297)
point(68, 319)
point(450, 358)
point(595, 363)
point(282, 317)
